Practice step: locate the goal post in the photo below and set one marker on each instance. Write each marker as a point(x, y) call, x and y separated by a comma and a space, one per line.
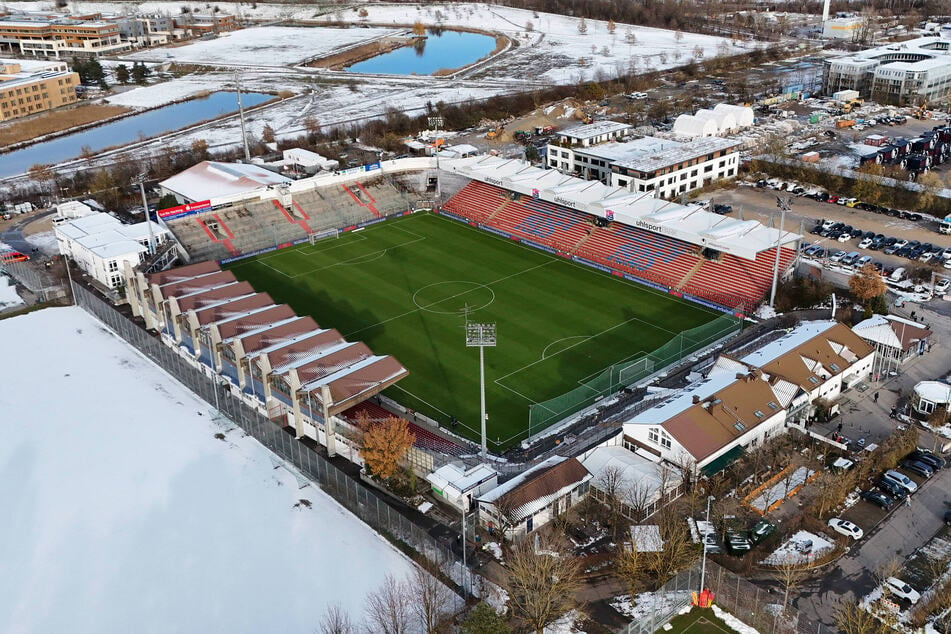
point(323, 235)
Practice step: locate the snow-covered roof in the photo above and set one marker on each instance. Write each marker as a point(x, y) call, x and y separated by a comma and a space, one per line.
point(106, 237)
point(532, 490)
point(616, 151)
point(796, 337)
point(211, 179)
point(689, 223)
point(682, 400)
point(920, 54)
point(635, 472)
point(677, 153)
point(462, 480)
point(891, 331)
point(937, 392)
point(592, 130)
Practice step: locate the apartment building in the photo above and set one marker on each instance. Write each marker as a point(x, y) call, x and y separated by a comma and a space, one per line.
point(28, 87)
point(51, 35)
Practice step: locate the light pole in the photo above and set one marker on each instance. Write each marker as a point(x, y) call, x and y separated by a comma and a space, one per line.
point(783, 204)
point(140, 180)
point(481, 336)
point(436, 122)
point(703, 539)
point(465, 569)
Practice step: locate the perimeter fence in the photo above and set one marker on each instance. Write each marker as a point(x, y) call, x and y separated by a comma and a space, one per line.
point(318, 469)
point(631, 371)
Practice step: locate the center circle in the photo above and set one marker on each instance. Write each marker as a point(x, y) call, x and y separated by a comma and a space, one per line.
point(453, 296)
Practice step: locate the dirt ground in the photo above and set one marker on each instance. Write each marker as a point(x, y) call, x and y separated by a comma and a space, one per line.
point(42, 124)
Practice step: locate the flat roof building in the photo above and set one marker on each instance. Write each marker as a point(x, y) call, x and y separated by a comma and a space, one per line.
point(28, 87)
point(903, 73)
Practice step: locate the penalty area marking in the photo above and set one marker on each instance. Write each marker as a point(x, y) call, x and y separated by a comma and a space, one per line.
point(556, 341)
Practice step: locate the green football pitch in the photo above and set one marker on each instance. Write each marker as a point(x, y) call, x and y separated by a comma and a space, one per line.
point(405, 286)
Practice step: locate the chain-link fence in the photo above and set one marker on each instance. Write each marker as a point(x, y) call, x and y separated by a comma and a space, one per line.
point(629, 372)
point(758, 608)
point(357, 498)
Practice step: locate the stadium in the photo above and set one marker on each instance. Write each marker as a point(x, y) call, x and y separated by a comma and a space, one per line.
point(591, 289)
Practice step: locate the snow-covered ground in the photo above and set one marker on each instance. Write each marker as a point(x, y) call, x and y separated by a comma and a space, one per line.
point(647, 603)
point(781, 489)
point(794, 549)
point(123, 512)
point(8, 294)
point(263, 46)
point(736, 624)
point(45, 241)
point(163, 93)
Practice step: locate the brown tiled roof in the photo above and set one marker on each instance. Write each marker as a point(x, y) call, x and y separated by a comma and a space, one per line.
point(305, 346)
point(706, 427)
point(179, 287)
point(908, 334)
point(231, 309)
point(196, 301)
point(791, 366)
point(266, 338)
point(540, 485)
point(183, 272)
point(361, 384)
point(272, 315)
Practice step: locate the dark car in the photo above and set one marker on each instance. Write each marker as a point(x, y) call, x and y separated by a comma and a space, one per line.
point(738, 542)
point(947, 518)
point(761, 530)
point(891, 488)
point(926, 457)
point(877, 498)
point(917, 467)
point(722, 209)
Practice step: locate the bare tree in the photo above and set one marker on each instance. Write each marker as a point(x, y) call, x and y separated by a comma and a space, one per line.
point(679, 551)
point(611, 485)
point(541, 585)
point(789, 573)
point(336, 621)
point(632, 568)
point(639, 497)
point(852, 618)
point(431, 600)
point(388, 609)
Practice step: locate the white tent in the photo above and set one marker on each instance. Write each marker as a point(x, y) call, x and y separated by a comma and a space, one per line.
point(742, 114)
point(690, 126)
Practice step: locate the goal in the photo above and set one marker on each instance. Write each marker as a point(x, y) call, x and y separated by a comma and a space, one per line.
point(323, 235)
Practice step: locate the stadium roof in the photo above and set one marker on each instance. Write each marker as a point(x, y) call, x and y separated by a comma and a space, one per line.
point(211, 179)
point(690, 223)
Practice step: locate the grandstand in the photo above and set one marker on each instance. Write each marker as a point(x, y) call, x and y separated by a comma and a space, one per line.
point(681, 249)
point(278, 218)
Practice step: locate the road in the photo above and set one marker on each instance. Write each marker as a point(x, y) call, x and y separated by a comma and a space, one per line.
point(908, 528)
point(13, 234)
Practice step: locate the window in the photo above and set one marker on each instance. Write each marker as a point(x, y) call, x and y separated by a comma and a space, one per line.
point(659, 437)
point(814, 380)
point(758, 413)
point(773, 406)
point(113, 266)
point(738, 426)
point(834, 366)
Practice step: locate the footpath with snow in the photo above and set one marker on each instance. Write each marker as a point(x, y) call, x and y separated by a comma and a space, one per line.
point(124, 513)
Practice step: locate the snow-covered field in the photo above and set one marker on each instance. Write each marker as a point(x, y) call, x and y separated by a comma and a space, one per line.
point(163, 93)
point(263, 46)
point(793, 550)
point(45, 241)
point(8, 294)
point(647, 603)
point(124, 513)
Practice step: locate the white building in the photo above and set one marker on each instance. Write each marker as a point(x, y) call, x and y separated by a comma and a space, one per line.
point(534, 497)
point(101, 245)
point(663, 167)
point(929, 396)
point(459, 486)
point(745, 401)
point(842, 28)
point(723, 119)
point(301, 160)
point(901, 73)
point(896, 340)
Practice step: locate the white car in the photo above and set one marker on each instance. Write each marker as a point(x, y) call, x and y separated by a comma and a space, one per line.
point(901, 242)
point(837, 256)
point(845, 237)
point(902, 590)
point(941, 286)
point(845, 527)
point(865, 243)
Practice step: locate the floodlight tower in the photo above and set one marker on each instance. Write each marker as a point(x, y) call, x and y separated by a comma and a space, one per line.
point(436, 122)
point(481, 336)
point(783, 204)
point(140, 181)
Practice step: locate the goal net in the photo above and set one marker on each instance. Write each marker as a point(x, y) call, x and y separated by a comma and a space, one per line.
point(323, 235)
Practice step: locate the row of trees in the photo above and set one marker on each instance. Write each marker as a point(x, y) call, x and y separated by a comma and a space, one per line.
point(139, 73)
point(90, 72)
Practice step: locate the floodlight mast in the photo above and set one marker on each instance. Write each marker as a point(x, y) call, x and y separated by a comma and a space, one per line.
point(481, 336)
point(783, 204)
point(437, 122)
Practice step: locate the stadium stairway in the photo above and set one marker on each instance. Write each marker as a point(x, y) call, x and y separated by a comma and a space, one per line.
point(686, 279)
point(300, 223)
point(357, 200)
point(216, 236)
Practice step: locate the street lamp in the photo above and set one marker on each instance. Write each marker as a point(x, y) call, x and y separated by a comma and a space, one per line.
point(140, 181)
point(481, 336)
point(783, 204)
point(703, 540)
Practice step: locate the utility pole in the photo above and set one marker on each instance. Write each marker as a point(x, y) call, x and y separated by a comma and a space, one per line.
point(703, 539)
point(783, 204)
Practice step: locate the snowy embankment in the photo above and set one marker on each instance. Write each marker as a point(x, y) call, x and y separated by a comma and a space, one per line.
point(124, 513)
point(8, 293)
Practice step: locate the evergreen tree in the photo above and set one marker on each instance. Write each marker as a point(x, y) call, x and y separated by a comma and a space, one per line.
point(139, 72)
point(122, 74)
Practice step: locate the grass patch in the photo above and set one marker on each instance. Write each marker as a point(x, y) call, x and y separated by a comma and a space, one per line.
point(697, 621)
point(29, 128)
point(404, 287)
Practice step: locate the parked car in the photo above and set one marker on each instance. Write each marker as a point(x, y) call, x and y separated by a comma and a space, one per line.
point(761, 530)
point(902, 590)
point(901, 479)
point(941, 286)
point(892, 488)
point(917, 467)
point(845, 527)
point(927, 457)
point(877, 498)
point(837, 256)
point(865, 243)
point(738, 542)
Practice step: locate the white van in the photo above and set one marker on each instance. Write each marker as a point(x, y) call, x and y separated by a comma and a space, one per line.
point(897, 275)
